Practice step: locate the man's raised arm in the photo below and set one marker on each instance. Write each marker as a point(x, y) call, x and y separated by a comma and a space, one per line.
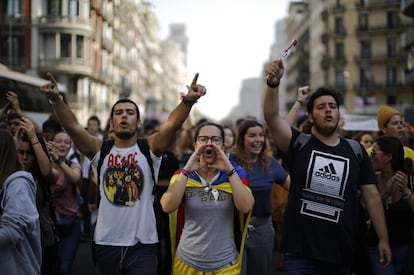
point(160, 141)
point(279, 128)
point(85, 142)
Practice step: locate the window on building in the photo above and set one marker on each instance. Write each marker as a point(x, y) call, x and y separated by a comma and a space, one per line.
point(392, 47)
point(79, 46)
point(365, 78)
point(15, 50)
point(53, 7)
point(363, 21)
point(73, 8)
point(14, 7)
point(339, 25)
point(391, 77)
point(65, 45)
point(365, 49)
point(392, 19)
point(339, 79)
point(339, 51)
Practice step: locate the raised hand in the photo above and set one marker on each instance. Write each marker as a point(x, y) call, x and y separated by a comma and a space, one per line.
point(27, 125)
point(51, 149)
point(274, 72)
point(13, 99)
point(221, 162)
point(303, 94)
point(195, 91)
point(51, 89)
point(194, 162)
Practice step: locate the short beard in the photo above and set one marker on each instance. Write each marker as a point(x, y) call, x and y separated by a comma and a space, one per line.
point(124, 135)
point(326, 131)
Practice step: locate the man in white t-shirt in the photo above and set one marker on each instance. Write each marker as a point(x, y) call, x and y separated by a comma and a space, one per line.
point(125, 236)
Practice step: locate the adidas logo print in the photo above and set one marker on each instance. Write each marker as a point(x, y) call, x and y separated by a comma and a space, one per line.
point(327, 172)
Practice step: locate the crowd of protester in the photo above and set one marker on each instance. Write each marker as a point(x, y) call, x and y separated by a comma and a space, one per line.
point(198, 197)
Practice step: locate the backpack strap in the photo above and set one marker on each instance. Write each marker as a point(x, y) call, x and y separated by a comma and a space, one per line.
point(105, 149)
point(356, 148)
point(303, 139)
point(144, 147)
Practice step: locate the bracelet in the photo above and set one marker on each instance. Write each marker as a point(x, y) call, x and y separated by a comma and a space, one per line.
point(188, 102)
point(231, 172)
point(53, 102)
point(272, 85)
point(58, 161)
point(34, 143)
point(185, 172)
point(301, 103)
point(407, 195)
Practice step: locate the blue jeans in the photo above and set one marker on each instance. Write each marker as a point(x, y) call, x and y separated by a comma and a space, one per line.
point(399, 255)
point(138, 259)
point(258, 248)
point(297, 265)
point(69, 229)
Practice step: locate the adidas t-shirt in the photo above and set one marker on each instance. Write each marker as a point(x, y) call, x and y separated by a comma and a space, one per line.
point(321, 218)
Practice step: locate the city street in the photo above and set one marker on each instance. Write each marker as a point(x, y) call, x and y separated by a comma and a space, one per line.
point(84, 266)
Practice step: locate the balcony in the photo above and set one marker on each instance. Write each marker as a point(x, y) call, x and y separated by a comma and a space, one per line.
point(325, 37)
point(380, 59)
point(16, 20)
point(385, 29)
point(328, 61)
point(66, 65)
point(338, 8)
point(339, 33)
point(16, 63)
point(62, 23)
point(379, 5)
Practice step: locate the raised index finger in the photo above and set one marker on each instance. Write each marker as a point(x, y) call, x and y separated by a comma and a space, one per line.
point(51, 78)
point(194, 82)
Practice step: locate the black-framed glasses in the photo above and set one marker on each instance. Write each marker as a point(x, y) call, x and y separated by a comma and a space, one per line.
point(214, 139)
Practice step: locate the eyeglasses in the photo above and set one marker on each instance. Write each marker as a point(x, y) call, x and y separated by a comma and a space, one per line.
point(374, 153)
point(214, 139)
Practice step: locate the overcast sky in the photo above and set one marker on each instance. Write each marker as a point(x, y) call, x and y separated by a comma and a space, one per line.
point(229, 40)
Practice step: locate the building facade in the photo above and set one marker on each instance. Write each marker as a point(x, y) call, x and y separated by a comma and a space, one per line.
point(360, 48)
point(101, 50)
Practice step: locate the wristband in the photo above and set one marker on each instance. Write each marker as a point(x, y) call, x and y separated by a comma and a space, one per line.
point(231, 172)
point(301, 103)
point(188, 102)
point(58, 161)
point(272, 85)
point(34, 143)
point(185, 173)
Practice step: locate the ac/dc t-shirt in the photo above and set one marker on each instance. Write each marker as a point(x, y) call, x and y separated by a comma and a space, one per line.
point(126, 214)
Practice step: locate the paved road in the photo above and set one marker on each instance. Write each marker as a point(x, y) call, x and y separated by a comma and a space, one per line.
point(83, 263)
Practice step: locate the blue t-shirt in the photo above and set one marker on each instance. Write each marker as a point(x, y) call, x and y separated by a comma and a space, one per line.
point(322, 214)
point(261, 185)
